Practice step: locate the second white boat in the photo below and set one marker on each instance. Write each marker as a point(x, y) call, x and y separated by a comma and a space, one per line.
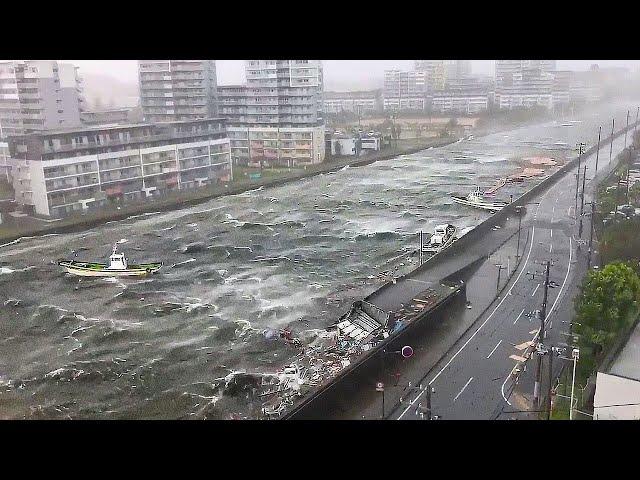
point(477, 199)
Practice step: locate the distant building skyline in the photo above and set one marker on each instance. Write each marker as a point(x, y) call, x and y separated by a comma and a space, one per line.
point(338, 74)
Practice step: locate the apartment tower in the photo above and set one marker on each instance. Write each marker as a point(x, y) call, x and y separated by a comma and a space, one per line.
point(38, 95)
point(176, 90)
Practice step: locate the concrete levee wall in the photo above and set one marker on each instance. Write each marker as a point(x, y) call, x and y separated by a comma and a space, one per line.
point(501, 217)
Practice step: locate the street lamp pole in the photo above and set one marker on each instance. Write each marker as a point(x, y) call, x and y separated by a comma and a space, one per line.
point(626, 130)
point(519, 210)
point(613, 125)
point(593, 209)
point(575, 354)
point(584, 177)
point(598, 151)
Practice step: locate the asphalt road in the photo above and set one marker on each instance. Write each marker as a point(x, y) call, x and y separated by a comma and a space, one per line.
point(473, 380)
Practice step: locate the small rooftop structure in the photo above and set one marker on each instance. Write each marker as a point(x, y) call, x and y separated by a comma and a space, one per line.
point(617, 395)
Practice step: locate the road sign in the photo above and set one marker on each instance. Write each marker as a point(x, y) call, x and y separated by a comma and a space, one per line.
point(407, 351)
point(379, 387)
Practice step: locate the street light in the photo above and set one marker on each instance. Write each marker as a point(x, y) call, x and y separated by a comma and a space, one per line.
point(406, 352)
point(575, 354)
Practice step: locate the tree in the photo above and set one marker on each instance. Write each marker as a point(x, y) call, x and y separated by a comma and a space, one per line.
point(607, 305)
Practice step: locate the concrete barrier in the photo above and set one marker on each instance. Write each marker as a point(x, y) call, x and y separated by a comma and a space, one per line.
point(501, 217)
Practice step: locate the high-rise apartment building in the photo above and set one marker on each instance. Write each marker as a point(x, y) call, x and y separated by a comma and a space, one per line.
point(174, 90)
point(524, 83)
point(284, 92)
point(440, 72)
point(405, 90)
point(505, 69)
point(38, 95)
point(276, 118)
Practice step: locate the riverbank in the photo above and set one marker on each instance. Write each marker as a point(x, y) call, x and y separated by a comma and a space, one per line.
point(14, 229)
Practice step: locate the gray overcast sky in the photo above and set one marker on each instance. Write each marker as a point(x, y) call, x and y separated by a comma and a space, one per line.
point(338, 73)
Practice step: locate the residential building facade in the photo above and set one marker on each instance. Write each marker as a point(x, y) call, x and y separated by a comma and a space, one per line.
point(405, 90)
point(524, 84)
point(561, 89)
point(4, 160)
point(276, 118)
point(175, 90)
point(103, 117)
point(287, 93)
point(464, 95)
point(273, 145)
point(38, 95)
point(60, 173)
point(353, 102)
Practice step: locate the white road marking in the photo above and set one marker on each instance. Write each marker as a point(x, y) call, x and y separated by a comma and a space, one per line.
point(550, 248)
point(419, 281)
point(518, 317)
point(533, 232)
point(537, 331)
point(551, 233)
point(494, 348)
point(465, 386)
point(535, 290)
point(565, 279)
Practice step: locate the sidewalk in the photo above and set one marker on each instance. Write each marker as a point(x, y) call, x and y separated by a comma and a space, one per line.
point(402, 377)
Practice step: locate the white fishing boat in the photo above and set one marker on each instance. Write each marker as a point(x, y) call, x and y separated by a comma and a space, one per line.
point(477, 199)
point(444, 236)
point(118, 267)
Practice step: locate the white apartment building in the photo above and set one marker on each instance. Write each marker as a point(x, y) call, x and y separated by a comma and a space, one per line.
point(355, 102)
point(561, 88)
point(175, 90)
point(464, 103)
point(287, 93)
point(38, 95)
point(524, 83)
point(60, 173)
point(405, 90)
point(276, 118)
point(440, 72)
point(4, 160)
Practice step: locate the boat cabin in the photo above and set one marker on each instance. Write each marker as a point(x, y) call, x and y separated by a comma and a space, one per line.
point(117, 261)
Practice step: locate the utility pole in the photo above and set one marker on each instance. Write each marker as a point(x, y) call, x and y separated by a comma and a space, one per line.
point(593, 212)
point(628, 167)
point(578, 178)
point(580, 152)
point(615, 211)
point(584, 176)
point(543, 315)
point(613, 124)
point(598, 151)
point(550, 382)
point(626, 130)
point(519, 210)
point(575, 354)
